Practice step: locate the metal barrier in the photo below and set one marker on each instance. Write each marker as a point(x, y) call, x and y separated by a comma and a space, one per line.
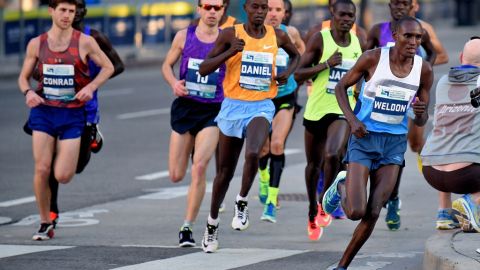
point(153, 24)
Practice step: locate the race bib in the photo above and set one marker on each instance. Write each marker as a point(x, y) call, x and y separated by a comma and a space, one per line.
point(337, 73)
point(281, 64)
point(256, 70)
point(59, 82)
point(391, 103)
point(197, 85)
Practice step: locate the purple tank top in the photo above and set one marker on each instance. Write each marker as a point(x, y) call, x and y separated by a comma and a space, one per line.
point(385, 34)
point(208, 89)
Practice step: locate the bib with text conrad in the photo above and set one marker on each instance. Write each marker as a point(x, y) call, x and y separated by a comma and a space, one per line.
point(59, 82)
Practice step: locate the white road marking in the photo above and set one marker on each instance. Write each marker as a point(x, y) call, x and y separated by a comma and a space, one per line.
point(152, 176)
point(5, 220)
point(115, 92)
point(140, 114)
point(163, 174)
point(224, 259)
point(68, 219)
point(292, 151)
point(14, 250)
point(17, 201)
point(170, 193)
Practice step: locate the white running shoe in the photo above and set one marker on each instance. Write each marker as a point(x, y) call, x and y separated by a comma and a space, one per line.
point(210, 239)
point(222, 208)
point(240, 217)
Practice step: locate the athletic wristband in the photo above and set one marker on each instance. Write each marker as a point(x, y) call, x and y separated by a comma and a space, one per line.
point(26, 92)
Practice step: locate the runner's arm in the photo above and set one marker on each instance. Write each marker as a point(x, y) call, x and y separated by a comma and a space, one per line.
point(307, 68)
point(226, 46)
point(296, 39)
point(31, 58)
point(362, 37)
point(442, 55)
point(94, 53)
point(428, 46)
point(284, 42)
point(367, 60)
point(172, 57)
point(107, 48)
point(372, 38)
point(420, 105)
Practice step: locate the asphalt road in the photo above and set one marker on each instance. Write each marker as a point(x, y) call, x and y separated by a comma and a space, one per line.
point(123, 211)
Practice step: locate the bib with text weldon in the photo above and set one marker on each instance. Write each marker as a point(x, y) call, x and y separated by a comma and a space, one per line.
point(59, 82)
point(256, 70)
point(197, 85)
point(391, 103)
point(336, 73)
point(281, 64)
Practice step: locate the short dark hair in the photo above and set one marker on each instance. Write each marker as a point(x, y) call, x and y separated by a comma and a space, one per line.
point(406, 19)
point(54, 3)
point(224, 2)
point(347, 2)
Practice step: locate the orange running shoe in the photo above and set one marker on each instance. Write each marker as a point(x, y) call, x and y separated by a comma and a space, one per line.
point(314, 231)
point(54, 218)
point(324, 219)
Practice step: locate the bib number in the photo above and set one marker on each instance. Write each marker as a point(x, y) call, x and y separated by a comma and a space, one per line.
point(197, 85)
point(256, 71)
point(391, 104)
point(336, 74)
point(281, 64)
point(59, 82)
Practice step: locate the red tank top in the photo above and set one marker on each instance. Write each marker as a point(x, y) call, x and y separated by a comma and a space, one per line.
point(62, 74)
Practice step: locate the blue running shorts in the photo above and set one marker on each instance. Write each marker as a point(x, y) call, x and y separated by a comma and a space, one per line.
point(235, 115)
point(376, 150)
point(61, 123)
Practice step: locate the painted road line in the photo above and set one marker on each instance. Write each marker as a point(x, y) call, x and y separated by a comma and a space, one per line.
point(4, 220)
point(163, 174)
point(152, 176)
point(15, 250)
point(225, 258)
point(17, 201)
point(140, 114)
point(171, 193)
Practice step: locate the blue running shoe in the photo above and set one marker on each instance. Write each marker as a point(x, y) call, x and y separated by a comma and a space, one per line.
point(472, 211)
point(393, 214)
point(339, 214)
point(320, 183)
point(331, 199)
point(269, 213)
point(446, 220)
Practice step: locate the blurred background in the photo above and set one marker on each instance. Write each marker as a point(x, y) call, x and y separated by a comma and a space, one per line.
point(144, 28)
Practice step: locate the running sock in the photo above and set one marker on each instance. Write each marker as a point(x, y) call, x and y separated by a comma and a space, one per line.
point(263, 162)
point(277, 162)
point(212, 221)
point(272, 195)
point(240, 198)
point(53, 184)
point(188, 224)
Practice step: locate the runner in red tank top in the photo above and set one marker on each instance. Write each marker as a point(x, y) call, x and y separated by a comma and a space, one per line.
point(57, 115)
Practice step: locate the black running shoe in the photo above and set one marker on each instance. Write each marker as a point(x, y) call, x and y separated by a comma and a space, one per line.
point(45, 232)
point(186, 237)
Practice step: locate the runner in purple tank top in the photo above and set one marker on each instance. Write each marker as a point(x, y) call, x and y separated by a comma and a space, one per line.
point(195, 108)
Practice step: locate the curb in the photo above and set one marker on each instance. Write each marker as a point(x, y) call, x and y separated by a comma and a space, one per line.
point(440, 253)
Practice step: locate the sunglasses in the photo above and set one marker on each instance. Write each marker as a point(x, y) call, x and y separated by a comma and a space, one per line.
point(208, 7)
point(474, 37)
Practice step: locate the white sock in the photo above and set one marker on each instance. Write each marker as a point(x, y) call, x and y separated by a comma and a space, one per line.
point(240, 198)
point(212, 221)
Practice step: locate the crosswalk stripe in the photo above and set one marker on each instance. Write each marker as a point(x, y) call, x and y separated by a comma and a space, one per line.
point(14, 250)
point(225, 258)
